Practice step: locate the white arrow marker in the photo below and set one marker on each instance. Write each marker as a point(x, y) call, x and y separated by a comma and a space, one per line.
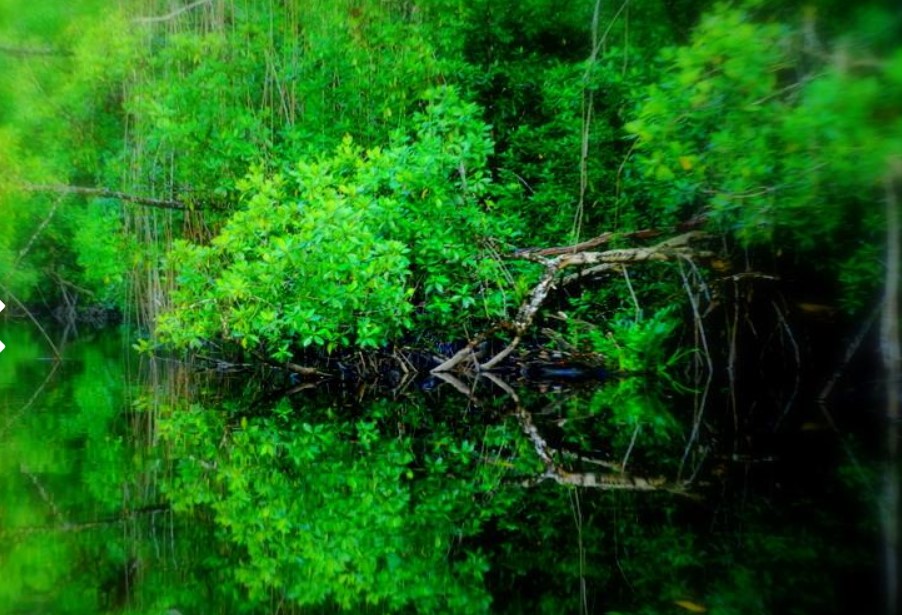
point(2, 345)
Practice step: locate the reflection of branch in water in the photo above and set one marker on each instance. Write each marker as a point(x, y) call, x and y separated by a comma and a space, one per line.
point(701, 342)
point(44, 496)
point(501, 384)
point(607, 481)
point(56, 352)
point(31, 400)
point(456, 384)
point(87, 525)
point(618, 479)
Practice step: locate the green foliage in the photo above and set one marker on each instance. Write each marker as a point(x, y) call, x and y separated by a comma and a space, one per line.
point(302, 267)
point(405, 503)
point(635, 346)
point(327, 513)
point(351, 249)
point(100, 243)
point(529, 64)
point(181, 108)
point(712, 121)
point(276, 84)
point(773, 151)
point(778, 126)
point(63, 462)
point(59, 123)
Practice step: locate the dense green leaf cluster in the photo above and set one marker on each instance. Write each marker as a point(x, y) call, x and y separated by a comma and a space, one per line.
point(332, 513)
point(354, 248)
point(754, 126)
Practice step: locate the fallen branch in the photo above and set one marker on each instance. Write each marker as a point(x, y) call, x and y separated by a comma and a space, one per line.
point(303, 370)
point(605, 238)
point(676, 247)
point(671, 249)
point(608, 482)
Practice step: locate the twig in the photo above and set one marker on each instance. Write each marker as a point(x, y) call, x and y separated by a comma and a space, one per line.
point(629, 286)
point(702, 402)
point(456, 384)
point(464, 353)
point(48, 499)
point(498, 358)
point(37, 232)
point(106, 193)
point(172, 14)
point(31, 399)
point(798, 357)
point(302, 369)
point(851, 350)
point(501, 384)
point(629, 449)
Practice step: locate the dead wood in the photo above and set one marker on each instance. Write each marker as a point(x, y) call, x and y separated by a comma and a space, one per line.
point(668, 250)
point(106, 193)
point(172, 14)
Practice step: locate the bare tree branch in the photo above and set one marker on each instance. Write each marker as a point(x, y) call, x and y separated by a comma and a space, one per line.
point(106, 193)
point(25, 52)
point(674, 248)
point(172, 14)
point(892, 363)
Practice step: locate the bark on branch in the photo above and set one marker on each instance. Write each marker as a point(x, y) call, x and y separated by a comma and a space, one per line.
point(609, 481)
point(605, 238)
point(671, 249)
point(171, 14)
point(105, 193)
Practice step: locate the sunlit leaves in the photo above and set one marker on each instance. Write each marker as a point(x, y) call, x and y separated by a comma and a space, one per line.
point(326, 513)
point(333, 252)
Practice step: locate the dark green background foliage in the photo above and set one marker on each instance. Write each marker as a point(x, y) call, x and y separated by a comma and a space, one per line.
point(291, 181)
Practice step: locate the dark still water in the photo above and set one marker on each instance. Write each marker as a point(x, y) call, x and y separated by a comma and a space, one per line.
point(131, 485)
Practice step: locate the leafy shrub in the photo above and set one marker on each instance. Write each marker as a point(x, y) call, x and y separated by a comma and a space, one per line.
point(352, 249)
point(775, 141)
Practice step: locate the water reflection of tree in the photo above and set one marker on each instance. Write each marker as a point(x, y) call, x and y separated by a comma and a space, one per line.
point(534, 498)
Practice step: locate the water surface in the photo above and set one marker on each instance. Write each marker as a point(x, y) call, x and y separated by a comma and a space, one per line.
point(132, 485)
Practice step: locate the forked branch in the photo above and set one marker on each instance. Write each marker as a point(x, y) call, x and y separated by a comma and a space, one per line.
point(678, 247)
